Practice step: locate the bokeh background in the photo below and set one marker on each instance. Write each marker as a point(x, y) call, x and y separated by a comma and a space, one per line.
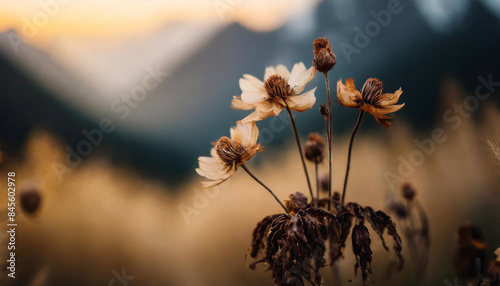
point(163, 72)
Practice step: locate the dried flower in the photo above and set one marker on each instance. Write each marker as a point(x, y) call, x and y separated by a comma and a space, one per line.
point(280, 89)
point(228, 154)
point(314, 148)
point(294, 244)
point(370, 99)
point(497, 253)
point(324, 58)
point(30, 198)
point(295, 248)
point(408, 191)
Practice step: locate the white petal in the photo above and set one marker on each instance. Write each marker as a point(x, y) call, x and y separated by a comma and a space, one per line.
point(300, 76)
point(211, 184)
point(283, 71)
point(269, 72)
point(265, 107)
point(245, 133)
point(211, 167)
point(254, 116)
point(252, 97)
point(251, 83)
point(302, 102)
point(237, 103)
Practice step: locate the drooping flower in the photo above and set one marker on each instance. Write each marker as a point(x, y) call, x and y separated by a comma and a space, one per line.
point(229, 153)
point(370, 99)
point(281, 88)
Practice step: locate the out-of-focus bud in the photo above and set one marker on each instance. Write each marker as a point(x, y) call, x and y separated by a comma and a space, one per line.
point(314, 148)
point(408, 192)
point(30, 198)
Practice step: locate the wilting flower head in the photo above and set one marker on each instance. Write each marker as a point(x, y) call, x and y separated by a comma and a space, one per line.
point(280, 89)
point(229, 153)
point(370, 99)
point(324, 58)
point(314, 148)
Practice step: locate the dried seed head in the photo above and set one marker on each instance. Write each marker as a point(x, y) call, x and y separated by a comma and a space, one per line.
point(324, 58)
point(408, 191)
point(233, 154)
point(30, 198)
point(229, 152)
point(314, 148)
point(277, 88)
point(371, 90)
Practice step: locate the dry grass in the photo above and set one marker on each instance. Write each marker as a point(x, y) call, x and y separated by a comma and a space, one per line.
point(101, 218)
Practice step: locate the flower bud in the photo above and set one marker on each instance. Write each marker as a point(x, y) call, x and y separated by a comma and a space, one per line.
point(314, 148)
point(323, 110)
point(324, 58)
point(408, 192)
point(30, 198)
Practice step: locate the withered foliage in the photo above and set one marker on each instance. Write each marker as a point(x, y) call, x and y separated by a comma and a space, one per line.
point(294, 248)
point(294, 245)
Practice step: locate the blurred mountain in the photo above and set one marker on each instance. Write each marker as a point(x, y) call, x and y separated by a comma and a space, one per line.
point(166, 132)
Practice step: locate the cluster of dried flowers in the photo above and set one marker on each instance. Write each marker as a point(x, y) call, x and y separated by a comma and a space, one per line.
point(296, 243)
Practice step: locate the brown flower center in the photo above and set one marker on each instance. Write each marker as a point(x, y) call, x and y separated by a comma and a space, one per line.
point(371, 90)
point(277, 88)
point(230, 152)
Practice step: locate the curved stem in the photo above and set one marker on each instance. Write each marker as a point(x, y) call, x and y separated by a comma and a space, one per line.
point(317, 182)
point(266, 187)
point(358, 123)
point(294, 126)
point(330, 140)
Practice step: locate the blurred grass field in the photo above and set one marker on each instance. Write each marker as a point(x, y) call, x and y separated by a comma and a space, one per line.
point(100, 218)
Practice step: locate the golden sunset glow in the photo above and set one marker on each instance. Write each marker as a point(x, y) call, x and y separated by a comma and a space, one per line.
point(39, 22)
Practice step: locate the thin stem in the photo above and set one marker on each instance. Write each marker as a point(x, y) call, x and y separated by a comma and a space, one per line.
point(330, 141)
point(317, 182)
point(336, 274)
point(294, 126)
point(360, 117)
point(266, 187)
